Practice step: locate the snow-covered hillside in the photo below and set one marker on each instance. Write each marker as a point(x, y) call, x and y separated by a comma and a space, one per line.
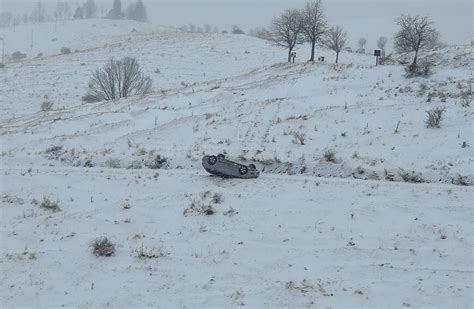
point(359, 203)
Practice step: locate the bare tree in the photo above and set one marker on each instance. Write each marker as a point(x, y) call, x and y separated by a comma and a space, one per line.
point(261, 33)
point(286, 30)
point(362, 43)
point(136, 11)
point(116, 11)
point(237, 30)
point(416, 32)
point(335, 40)
point(314, 23)
point(90, 9)
point(140, 11)
point(78, 13)
point(6, 19)
point(118, 79)
point(38, 15)
point(382, 42)
point(59, 11)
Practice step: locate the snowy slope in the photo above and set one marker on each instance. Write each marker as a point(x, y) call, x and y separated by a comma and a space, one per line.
point(355, 231)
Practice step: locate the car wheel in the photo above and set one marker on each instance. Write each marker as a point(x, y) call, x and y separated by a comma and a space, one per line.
point(220, 156)
point(243, 170)
point(212, 160)
point(252, 166)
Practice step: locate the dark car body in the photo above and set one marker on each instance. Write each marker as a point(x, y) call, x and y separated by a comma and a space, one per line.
point(220, 166)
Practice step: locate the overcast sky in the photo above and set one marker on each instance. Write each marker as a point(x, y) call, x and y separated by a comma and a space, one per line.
point(361, 18)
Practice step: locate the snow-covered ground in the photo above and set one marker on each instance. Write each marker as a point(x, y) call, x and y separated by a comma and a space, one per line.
point(387, 223)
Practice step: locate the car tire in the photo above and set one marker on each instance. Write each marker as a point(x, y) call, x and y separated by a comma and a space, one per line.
point(243, 170)
point(221, 157)
point(212, 160)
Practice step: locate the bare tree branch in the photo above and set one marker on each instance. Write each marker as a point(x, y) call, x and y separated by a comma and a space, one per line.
point(382, 42)
point(336, 39)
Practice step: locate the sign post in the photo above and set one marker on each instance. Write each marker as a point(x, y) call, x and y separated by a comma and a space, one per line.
point(3, 49)
point(377, 53)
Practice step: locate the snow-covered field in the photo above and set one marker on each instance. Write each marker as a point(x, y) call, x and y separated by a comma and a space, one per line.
point(387, 223)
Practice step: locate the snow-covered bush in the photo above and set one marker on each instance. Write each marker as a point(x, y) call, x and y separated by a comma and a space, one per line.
point(143, 253)
point(203, 204)
point(412, 177)
point(329, 155)
point(135, 165)
point(46, 105)
point(102, 246)
point(18, 55)
point(460, 180)
point(199, 208)
point(156, 163)
point(118, 79)
point(113, 163)
point(434, 117)
point(298, 138)
point(65, 50)
point(49, 204)
point(466, 97)
point(422, 69)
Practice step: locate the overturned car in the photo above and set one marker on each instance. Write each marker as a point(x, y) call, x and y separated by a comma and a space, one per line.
point(220, 166)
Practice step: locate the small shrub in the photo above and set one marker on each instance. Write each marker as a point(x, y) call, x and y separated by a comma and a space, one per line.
point(54, 149)
point(156, 163)
point(18, 55)
point(49, 204)
point(135, 165)
point(466, 100)
point(230, 212)
point(330, 155)
point(113, 163)
point(217, 198)
point(466, 97)
point(54, 152)
point(143, 253)
point(199, 208)
point(65, 50)
point(202, 204)
point(11, 199)
point(460, 180)
point(47, 105)
point(126, 205)
point(102, 246)
point(88, 163)
point(412, 177)
point(298, 138)
point(434, 117)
